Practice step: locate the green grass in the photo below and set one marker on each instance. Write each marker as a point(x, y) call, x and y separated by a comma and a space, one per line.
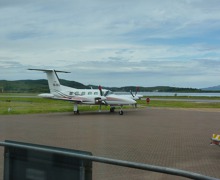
point(187, 97)
point(181, 104)
point(23, 104)
point(184, 104)
point(30, 103)
point(14, 105)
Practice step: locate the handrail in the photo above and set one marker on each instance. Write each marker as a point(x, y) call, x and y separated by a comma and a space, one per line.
point(135, 165)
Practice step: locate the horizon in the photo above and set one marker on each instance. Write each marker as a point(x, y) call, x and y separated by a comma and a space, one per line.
point(113, 86)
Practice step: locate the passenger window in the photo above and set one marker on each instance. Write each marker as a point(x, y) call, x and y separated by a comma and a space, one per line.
point(95, 93)
point(71, 93)
point(77, 93)
point(89, 93)
point(83, 93)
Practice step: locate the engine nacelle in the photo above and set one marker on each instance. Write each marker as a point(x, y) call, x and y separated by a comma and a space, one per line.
point(100, 99)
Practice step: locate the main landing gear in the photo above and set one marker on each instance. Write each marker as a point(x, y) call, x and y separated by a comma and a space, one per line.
point(121, 112)
point(112, 109)
point(76, 112)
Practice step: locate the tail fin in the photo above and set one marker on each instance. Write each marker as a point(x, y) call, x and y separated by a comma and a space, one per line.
point(53, 79)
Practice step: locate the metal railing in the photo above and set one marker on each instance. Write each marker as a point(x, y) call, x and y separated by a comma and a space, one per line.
point(135, 165)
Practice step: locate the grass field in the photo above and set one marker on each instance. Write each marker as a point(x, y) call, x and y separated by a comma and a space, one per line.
point(168, 102)
point(181, 104)
point(31, 103)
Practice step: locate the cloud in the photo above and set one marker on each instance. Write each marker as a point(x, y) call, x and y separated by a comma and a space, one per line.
point(113, 42)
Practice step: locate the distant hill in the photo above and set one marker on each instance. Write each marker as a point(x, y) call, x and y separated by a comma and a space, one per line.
point(214, 88)
point(39, 86)
point(156, 89)
point(33, 86)
point(24, 86)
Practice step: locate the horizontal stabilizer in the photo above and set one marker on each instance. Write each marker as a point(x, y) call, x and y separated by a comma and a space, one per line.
point(49, 70)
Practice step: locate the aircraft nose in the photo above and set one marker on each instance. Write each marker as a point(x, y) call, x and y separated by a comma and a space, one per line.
point(131, 101)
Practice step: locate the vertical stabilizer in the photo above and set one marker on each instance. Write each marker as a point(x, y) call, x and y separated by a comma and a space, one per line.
point(53, 80)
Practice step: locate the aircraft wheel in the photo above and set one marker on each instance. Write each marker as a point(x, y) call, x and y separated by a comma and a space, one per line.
point(76, 112)
point(121, 112)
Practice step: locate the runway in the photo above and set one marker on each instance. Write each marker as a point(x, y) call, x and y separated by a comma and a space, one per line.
point(177, 138)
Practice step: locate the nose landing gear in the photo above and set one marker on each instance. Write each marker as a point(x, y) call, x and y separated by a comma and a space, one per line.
point(112, 109)
point(121, 112)
point(75, 109)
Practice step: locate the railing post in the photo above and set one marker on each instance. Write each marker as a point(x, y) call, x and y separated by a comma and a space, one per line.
point(82, 171)
point(7, 166)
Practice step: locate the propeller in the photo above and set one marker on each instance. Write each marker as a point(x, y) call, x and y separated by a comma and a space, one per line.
point(101, 93)
point(131, 93)
point(137, 89)
point(100, 89)
point(106, 93)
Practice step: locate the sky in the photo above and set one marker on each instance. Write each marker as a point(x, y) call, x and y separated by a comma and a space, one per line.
point(113, 43)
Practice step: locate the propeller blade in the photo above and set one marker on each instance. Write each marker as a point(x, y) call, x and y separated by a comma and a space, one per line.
point(131, 93)
point(100, 89)
point(101, 94)
point(137, 89)
point(106, 93)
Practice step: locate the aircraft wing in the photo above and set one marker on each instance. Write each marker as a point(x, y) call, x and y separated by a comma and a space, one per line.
point(73, 99)
point(83, 100)
point(76, 99)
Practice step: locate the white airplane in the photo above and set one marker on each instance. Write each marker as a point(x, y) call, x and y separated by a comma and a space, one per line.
point(83, 96)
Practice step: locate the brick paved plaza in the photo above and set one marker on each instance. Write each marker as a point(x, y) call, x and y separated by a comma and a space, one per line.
point(164, 137)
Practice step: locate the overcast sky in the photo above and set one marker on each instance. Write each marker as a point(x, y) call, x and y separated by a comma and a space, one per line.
point(113, 42)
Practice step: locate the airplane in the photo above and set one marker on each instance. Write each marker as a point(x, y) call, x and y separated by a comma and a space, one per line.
point(83, 96)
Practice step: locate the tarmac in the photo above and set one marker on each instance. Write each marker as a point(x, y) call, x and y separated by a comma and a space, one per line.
point(176, 138)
